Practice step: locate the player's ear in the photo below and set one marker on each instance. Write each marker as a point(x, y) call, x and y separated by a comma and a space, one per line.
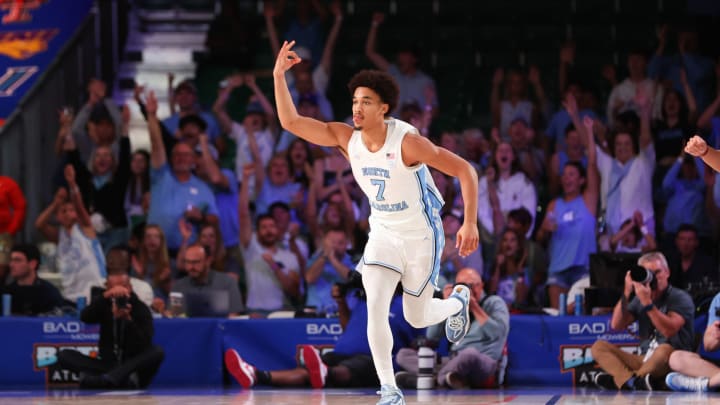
point(384, 109)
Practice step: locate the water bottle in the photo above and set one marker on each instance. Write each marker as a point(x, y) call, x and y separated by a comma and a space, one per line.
point(426, 368)
point(562, 310)
point(578, 304)
point(176, 304)
point(80, 305)
point(7, 304)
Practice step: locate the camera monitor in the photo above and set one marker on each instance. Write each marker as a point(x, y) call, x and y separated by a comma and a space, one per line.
point(607, 278)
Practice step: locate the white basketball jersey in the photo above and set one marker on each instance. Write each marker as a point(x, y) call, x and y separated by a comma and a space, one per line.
point(401, 197)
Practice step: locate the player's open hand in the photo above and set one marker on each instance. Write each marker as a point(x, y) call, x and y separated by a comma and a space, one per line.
point(467, 239)
point(286, 58)
point(696, 146)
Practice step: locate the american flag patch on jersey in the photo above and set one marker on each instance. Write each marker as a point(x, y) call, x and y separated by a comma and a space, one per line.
point(390, 155)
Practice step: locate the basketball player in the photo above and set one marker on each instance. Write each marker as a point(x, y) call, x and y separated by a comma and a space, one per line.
point(389, 161)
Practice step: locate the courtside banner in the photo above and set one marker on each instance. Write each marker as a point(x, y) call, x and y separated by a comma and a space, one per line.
point(32, 33)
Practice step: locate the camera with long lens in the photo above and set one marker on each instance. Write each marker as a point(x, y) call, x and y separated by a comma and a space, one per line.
point(643, 276)
point(121, 302)
point(354, 282)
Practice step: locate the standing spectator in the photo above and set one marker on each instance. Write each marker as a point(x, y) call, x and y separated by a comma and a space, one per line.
point(175, 192)
point(80, 257)
point(557, 127)
point(514, 104)
point(573, 151)
point(104, 186)
point(520, 220)
point(623, 95)
point(138, 187)
point(320, 72)
point(30, 294)
point(665, 317)
point(570, 220)
point(98, 122)
point(627, 175)
point(330, 264)
point(672, 68)
point(677, 120)
point(233, 37)
point(412, 82)
point(633, 237)
point(305, 26)
point(127, 357)
point(690, 268)
point(300, 161)
point(276, 185)
point(474, 361)
point(710, 118)
point(272, 273)
point(531, 159)
point(684, 190)
point(185, 96)
point(12, 217)
point(332, 171)
point(255, 126)
point(503, 188)
point(204, 283)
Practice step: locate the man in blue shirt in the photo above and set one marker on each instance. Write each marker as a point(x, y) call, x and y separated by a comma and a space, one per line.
point(185, 95)
point(349, 364)
point(175, 193)
point(329, 265)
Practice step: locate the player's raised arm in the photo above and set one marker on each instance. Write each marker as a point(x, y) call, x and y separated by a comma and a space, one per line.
point(321, 133)
point(417, 149)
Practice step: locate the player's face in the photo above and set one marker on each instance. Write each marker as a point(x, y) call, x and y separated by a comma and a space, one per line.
point(367, 108)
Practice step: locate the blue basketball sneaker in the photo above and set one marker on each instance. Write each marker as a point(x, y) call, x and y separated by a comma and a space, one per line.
point(458, 325)
point(390, 395)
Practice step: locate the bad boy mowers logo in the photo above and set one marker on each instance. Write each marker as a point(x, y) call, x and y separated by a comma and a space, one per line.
point(25, 44)
point(19, 10)
point(45, 358)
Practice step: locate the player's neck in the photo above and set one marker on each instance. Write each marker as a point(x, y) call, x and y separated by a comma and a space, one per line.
point(375, 136)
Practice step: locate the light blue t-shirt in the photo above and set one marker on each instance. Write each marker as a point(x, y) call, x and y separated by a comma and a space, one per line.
point(319, 293)
point(574, 239)
point(227, 205)
point(170, 198)
point(271, 193)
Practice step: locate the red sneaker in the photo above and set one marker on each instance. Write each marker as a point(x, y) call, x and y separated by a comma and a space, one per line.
point(243, 372)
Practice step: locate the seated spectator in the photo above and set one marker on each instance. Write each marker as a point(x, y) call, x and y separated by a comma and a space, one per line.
point(79, 254)
point(691, 372)
point(690, 267)
point(176, 193)
point(272, 274)
point(633, 237)
point(627, 175)
point(30, 294)
point(349, 364)
point(451, 262)
point(504, 187)
point(98, 122)
point(217, 293)
point(12, 216)
point(185, 96)
point(152, 263)
point(103, 186)
point(570, 219)
point(474, 360)
point(520, 220)
point(623, 95)
point(127, 357)
point(413, 83)
point(665, 319)
point(329, 265)
point(255, 128)
point(510, 279)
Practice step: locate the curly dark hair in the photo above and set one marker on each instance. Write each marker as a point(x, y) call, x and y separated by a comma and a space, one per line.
point(381, 83)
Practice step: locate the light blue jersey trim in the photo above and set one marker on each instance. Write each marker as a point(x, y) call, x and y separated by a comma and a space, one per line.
point(381, 264)
point(430, 202)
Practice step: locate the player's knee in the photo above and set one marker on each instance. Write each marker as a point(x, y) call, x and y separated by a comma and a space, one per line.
point(415, 319)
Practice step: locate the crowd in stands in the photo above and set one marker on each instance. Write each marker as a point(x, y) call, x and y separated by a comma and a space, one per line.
point(227, 202)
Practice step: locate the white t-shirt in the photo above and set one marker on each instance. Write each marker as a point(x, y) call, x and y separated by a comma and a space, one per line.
point(264, 289)
point(514, 192)
point(243, 156)
point(626, 90)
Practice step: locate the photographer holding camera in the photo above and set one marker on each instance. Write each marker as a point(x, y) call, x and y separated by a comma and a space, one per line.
point(127, 357)
point(665, 317)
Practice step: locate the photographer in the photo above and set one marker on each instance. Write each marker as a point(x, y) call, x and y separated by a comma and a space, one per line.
point(692, 372)
point(350, 363)
point(665, 317)
point(127, 357)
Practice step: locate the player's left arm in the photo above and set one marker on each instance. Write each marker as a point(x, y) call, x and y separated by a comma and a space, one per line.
point(417, 149)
